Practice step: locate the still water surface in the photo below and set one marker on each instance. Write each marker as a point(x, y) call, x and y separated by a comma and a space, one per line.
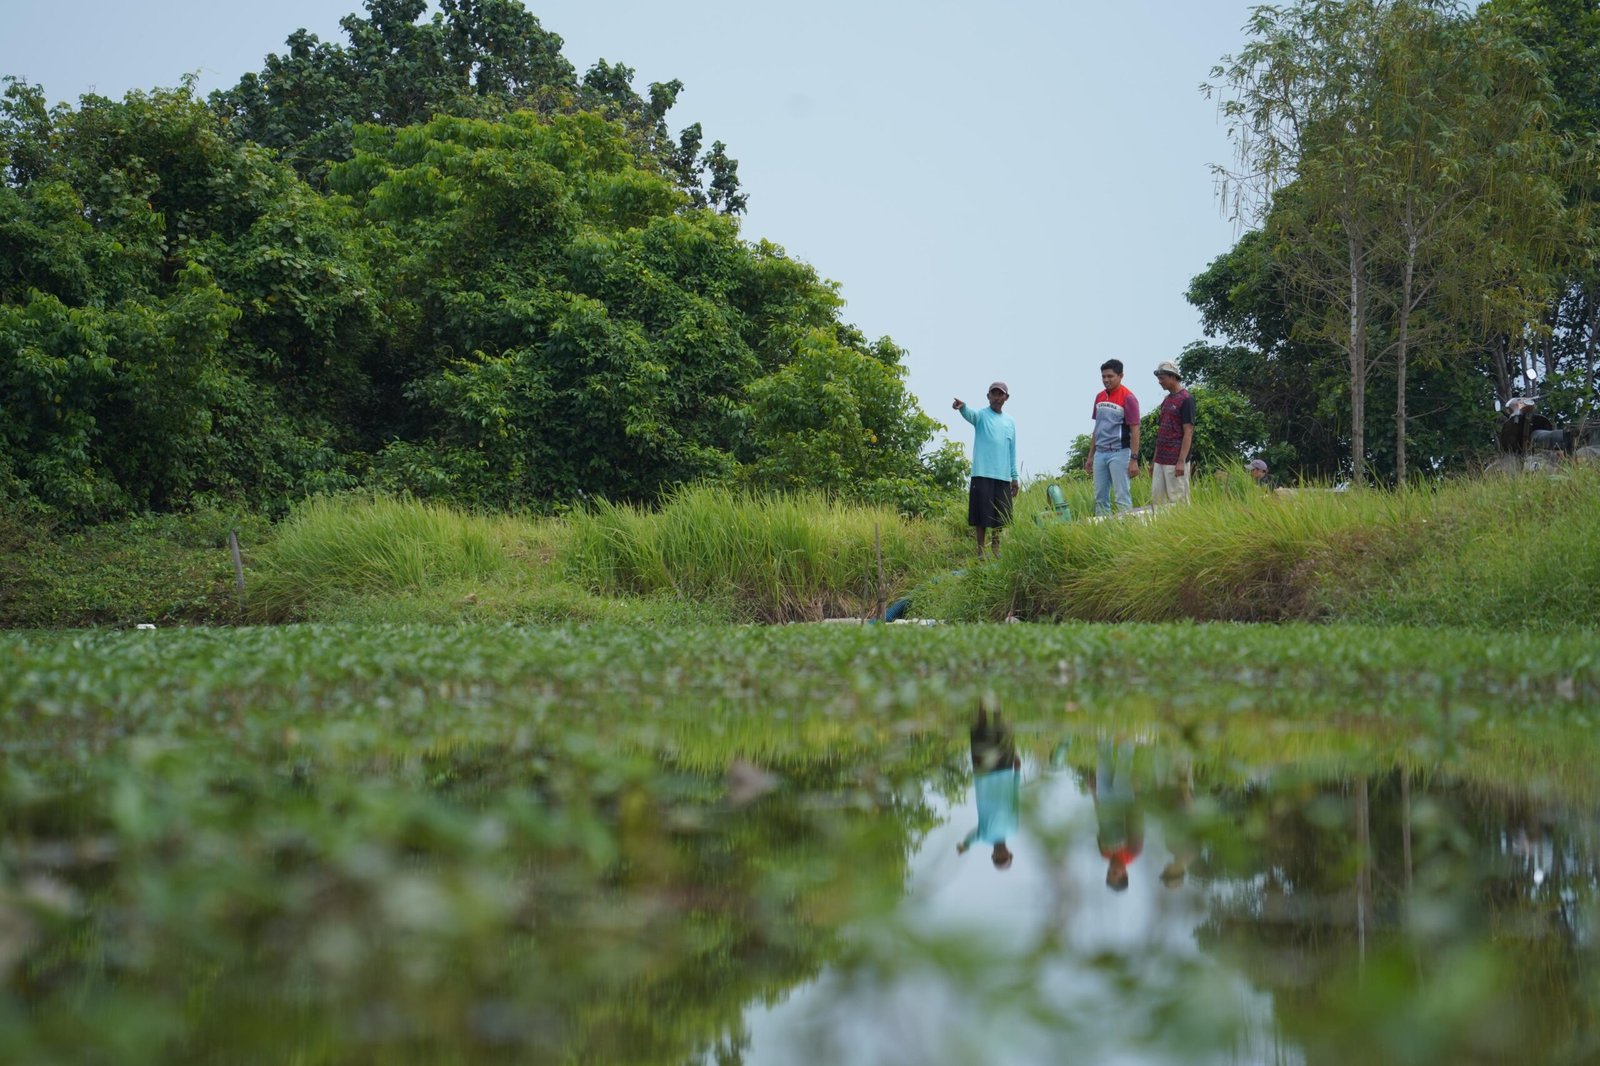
point(1148, 908)
point(988, 893)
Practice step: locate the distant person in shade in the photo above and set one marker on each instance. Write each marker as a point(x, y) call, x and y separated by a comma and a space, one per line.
point(994, 467)
point(1261, 474)
point(1118, 816)
point(996, 783)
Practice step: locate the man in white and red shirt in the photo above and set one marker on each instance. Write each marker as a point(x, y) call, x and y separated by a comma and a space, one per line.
point(1114, 445)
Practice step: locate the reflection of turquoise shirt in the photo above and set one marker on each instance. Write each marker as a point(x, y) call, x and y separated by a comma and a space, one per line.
point(994, 445)
point(999, 798)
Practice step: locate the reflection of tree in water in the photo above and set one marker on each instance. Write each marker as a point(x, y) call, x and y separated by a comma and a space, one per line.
point(1379, 894)
point(760, 896)
point(476, 906)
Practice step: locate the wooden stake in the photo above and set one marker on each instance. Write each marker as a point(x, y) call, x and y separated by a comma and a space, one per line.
point(877, 547)
point(238, 562)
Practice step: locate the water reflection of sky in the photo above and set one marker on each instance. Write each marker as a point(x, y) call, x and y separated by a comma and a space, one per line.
point(1041, 962)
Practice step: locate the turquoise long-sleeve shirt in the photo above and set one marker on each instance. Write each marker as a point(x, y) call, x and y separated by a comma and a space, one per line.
point(999, 796)
point(994, 445)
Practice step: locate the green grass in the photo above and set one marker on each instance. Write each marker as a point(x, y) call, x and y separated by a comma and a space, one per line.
point(776, 558)
point(703, 556)
point(1489, 553)
point(1492, 553)
point(342, 548)
point(163, 569)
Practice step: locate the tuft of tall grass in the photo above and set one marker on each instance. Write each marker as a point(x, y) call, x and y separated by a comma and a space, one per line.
point(334, 549)
point(775, 558)
point(1521, 552)
point(1494, 552)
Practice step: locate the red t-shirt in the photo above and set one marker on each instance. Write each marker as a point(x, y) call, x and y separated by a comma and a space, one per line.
point(1116, 412)
point(1177, 411)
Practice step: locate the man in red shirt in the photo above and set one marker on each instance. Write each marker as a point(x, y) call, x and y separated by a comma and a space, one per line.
point(1114, 444)
point(1169, 476)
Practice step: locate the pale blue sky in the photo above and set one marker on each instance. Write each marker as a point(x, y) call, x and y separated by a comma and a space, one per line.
point(1018, 191)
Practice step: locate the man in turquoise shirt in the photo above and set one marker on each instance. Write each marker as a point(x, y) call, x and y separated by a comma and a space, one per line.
point(994, 467)
point(996, 786)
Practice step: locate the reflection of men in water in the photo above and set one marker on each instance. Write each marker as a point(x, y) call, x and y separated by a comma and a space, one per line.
point(1119, 817)
point(996, 779)
point(1179, 828)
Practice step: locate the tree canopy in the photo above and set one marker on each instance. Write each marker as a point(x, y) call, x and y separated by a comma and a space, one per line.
point(1420, 196)
point(430, 259)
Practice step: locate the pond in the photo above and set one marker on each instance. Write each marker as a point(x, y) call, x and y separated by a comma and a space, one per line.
point(489, 846)
point(1150, 905)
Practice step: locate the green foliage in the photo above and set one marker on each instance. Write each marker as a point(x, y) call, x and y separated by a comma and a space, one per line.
point(1402, 162)
point(175, 313)
point(612, 344)
point(839, 419)
point(776, 558)
point(713, 554)
point(1226, 428)
point(340, 547)
point(506, 288)
point(164, 569)
point(706, 554)
point(227, 845)
point(1239, 553)
point(471, 59)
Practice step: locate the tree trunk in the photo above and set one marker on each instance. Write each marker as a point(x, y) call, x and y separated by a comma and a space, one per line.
point(1358, 362)
point(1500, 352)
point(1400, 361)
point(1590, 346)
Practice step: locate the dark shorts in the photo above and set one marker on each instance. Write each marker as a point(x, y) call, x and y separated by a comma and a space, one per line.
point(992, 746)
point(989, 503)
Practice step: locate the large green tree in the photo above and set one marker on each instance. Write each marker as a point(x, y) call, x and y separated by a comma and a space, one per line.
point(154, 352)
point(432, 259)
point(470, 58)
point(1398, 155)
point(1565, 34)
point(572, 327)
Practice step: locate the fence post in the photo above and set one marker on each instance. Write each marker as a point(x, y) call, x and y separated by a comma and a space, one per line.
point(877, 547)
point(238, 564)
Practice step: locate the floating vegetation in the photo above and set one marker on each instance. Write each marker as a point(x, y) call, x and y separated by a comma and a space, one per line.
point(479, 844)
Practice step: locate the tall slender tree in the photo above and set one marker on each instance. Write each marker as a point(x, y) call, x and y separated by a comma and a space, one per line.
point(1400, 153)
point(1300, 115)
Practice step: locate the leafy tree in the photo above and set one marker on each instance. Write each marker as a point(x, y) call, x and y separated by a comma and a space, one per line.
point(1300, 119)
point(1295, 385)
point(471, 59)
point(1298, 385)
point(837, 417)
point(514, 302)
point(572, 329)
point(1472, 195)
point(1398, 156)
point(1227, 428)
point(157, 384)
point(1565, 34)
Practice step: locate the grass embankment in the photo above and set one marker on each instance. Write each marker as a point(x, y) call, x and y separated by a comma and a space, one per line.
point(703, 557)
point(1492, 553)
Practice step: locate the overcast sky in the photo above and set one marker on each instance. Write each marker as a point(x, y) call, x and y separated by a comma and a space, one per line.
point(1016, 191)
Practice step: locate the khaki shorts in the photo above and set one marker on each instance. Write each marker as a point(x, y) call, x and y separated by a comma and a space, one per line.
point(1167, 488)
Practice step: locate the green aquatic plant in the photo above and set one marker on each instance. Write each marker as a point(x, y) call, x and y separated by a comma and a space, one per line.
point(608, 843)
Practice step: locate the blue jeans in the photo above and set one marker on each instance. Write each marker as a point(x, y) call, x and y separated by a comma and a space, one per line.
point(1111, 468)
